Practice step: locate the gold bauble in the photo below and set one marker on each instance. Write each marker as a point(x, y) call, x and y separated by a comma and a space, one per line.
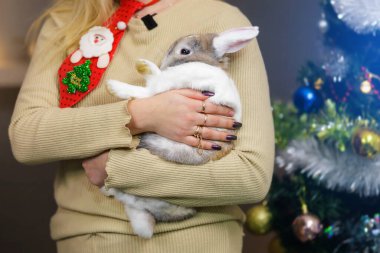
point(306, 227)
point(275, 246)
point(318, 84)
point(366, 87)
point(366, 143)
point(259, 220)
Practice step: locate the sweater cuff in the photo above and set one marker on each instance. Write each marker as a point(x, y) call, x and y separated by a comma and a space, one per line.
point(115, 176)
point(116, 119)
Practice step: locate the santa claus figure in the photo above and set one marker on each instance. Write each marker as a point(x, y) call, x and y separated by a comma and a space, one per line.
point(97, 42)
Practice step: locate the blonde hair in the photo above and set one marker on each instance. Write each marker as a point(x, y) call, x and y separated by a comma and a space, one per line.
point(81, 15)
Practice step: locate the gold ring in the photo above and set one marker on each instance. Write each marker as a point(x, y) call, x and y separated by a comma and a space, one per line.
point(199, 145)
point(199, 142)
point(205, 119)
point(203, 107)
point(197, 132)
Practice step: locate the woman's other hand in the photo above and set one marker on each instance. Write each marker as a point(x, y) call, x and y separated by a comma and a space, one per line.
point(176, 115)
point(95, 168)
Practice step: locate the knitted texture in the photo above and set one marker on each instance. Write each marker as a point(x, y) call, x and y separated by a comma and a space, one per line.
point(41, 132)
point(223, 237)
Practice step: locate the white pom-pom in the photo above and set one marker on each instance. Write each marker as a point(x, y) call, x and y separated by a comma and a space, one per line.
point(363, 16)
point(121, 25)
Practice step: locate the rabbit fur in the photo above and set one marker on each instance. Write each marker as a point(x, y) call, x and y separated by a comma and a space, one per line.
point(200, 67)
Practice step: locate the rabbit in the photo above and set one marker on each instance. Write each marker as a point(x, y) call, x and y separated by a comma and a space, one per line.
point(197, 62)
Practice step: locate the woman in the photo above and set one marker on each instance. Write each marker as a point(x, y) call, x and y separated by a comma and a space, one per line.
point(104, 128)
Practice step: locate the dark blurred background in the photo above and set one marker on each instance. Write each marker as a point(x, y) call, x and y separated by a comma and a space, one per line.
point(289, 36)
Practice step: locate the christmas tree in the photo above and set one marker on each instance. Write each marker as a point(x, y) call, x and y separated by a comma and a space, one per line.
point(325, 193)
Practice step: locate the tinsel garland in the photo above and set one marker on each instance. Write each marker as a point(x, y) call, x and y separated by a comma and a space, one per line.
point(363, 16)
point(344, 171)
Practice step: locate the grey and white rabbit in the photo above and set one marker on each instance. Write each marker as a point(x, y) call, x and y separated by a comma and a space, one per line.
point(196, 62)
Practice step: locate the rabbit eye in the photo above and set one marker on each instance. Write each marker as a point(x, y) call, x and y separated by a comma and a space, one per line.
point(185, 51)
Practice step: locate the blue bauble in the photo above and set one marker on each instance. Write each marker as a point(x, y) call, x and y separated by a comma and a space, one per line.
point(307, 100)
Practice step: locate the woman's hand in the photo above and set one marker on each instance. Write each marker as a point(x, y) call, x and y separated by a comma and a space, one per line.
point(176, 115)
point(95, 168)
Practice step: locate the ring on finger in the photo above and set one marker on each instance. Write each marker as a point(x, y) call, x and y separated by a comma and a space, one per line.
point(203, 107)
point(197, 131)
point(200, 131)
point(205, 119)
point(199, 145)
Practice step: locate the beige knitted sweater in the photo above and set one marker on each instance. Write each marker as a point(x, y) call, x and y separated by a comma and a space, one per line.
point(41, 132)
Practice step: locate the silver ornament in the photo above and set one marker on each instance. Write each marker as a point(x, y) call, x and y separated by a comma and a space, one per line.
point(335, 64)
point(363, 16)
point(345, 171)
point(323, 25)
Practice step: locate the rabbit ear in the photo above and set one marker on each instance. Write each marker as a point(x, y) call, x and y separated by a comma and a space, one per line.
point(233, 40)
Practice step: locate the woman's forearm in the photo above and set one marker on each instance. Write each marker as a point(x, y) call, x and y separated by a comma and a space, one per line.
point(40, 135)
point(241, 177)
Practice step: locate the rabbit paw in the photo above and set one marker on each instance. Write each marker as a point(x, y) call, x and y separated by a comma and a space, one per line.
point(118, 89)
point(144, 230)
point(109, 193)
point(142, 222)
point(147, 68)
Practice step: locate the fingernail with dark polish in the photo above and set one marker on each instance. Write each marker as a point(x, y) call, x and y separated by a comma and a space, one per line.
point(208, 93)
point(237, 125)
point(216, 147)
point(231, 138)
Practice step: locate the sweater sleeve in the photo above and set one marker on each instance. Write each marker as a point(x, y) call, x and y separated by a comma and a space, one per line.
point(243, 176)
point(40, 131)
